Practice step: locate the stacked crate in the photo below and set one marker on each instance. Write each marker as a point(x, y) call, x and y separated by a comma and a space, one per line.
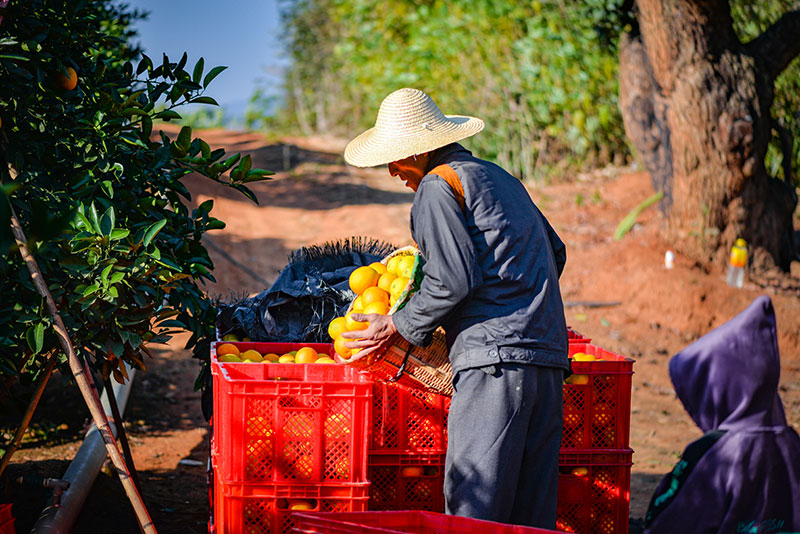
point(407, 446)
point(329, 439)
point(409, 439)
point(595, 459)
point(286, 437)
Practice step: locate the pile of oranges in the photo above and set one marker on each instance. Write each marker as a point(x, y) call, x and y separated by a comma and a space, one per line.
point(228, 352)
point(378, 287)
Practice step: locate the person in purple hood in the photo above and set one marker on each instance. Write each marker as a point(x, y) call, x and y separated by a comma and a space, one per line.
point(743, 474)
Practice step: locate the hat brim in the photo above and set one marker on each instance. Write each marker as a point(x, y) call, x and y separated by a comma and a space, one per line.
point(373, 148)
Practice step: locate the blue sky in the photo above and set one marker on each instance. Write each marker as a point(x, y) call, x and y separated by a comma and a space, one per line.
point(243, 35)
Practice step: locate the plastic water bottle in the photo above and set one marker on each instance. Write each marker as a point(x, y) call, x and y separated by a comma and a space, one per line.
point(737, 262)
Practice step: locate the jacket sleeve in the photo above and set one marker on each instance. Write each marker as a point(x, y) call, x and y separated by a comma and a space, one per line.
point(450, 271)
point(558, 246)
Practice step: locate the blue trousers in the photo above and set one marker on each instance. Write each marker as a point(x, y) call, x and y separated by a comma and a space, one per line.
point(504, 434)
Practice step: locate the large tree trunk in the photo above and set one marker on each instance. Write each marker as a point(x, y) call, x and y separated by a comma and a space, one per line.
point(696, 104)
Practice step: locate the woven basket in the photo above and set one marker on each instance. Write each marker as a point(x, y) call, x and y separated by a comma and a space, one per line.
point(411, 365)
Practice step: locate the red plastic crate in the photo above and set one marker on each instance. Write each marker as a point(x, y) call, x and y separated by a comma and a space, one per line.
point(6, 519)
point(245, 508)
point(597, 413)
point(594, 492)
point(406, 482)
point(408, 420)
point(290, 423)
point(412, 522)
point(575, 337)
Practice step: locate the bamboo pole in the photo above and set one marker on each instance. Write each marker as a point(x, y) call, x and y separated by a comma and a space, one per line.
point(26, 419)
point(82, 377)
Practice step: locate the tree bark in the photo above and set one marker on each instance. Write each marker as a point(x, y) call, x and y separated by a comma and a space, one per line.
point(696, 104)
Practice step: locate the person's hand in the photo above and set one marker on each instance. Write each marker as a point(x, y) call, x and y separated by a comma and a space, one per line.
point(376, 338)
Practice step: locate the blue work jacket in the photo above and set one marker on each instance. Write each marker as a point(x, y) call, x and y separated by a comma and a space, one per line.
point(491, 271)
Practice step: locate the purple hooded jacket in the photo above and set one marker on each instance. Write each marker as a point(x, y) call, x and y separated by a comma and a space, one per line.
point(743, 476)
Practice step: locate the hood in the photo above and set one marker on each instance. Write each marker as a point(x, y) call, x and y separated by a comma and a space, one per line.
point(728, 379)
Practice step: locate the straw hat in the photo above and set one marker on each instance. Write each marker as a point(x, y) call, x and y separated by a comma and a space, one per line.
point(409, 122)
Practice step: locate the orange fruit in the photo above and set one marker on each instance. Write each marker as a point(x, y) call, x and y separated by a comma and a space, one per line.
point(391, 265)
point(412, 472)
point(583, 357)
point(68, 81)
point(405, 267)
point(381, 308)
point(299, 504)
point(325, 359)
point(305, 355)
point(580, 380)
point(358, 304)
point(352, 324)
point(340, 349)
point(374, 294)
point(229, 358)
point(286, 358)
point(336, 327)
point(271, 357)
point(385, 281)
point(398, 286)
point(362, 278)
point(580, 471)
point(378, 267)
point(227, 348)
point(252, 355)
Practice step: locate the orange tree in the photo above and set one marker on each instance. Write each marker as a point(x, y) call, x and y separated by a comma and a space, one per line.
point(98, 194)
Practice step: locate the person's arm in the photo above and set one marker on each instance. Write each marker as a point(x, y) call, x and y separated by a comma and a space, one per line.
point(450, 272)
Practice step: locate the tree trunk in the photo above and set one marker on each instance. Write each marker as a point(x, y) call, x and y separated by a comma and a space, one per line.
point(696, 104)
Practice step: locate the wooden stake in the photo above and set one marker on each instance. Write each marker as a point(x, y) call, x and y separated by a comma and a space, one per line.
point(84, 379)
point(26, 419)
point(121, 434)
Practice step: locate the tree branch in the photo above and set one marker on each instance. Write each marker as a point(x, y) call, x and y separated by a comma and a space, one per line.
point(778, 45)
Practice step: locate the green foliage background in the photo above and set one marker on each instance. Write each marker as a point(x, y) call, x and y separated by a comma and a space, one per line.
point(99, 196)
point(542, 74)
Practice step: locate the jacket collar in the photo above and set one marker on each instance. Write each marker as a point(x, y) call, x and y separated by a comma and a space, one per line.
point(445, 154)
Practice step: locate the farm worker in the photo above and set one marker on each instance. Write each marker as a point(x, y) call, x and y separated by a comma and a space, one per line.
point(743, 474)
point(491, 280)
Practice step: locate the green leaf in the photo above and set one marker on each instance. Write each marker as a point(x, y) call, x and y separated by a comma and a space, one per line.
point(119, 233)
point(91, 290)
point(205, 150)
point(213, 73)
point(256, 175)
point(204, 100)
point(147, 127)
point(108, 188)
point(35, 338)
point(107, 222)
point(629, 220)
point(198, 70)
point(184, 139)
point(246, 192)
point(152, 230)
point(168, 114)
point(104, 274)
point(94, 219)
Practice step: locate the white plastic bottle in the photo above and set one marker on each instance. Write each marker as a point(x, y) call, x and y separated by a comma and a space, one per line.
point(737, 263)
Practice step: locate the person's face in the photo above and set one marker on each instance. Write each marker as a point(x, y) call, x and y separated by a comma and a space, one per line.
point(411, 170)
